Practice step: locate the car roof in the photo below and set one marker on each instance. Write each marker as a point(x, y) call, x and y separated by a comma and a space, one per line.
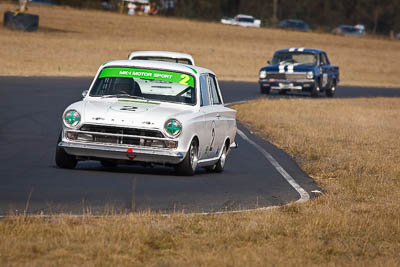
point(294, 20)
point(154, 53)
point(244, 16)
point(345, 26)
point(300, 49)
point(151, 64)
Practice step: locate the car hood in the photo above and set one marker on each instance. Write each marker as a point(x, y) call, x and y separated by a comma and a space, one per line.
point(130, 113)
point(287, 67)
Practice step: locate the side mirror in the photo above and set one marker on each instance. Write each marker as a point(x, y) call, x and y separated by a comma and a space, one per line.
point(84, 93)
point(269, 62)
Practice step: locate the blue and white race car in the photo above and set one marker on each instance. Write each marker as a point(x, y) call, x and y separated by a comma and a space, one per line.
point(299, 70)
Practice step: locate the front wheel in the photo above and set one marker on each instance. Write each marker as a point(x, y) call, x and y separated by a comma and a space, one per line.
point(316, 89)
point(331, 91)
point(189, 164)
point(265, 89)
point(282, 92)
point(64, 160)
point(219, 166)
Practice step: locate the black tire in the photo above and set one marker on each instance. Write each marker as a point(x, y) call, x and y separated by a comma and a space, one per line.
point(265, 90)
point(219, 166)
point(331, 91)
point(22, 21)
point(316, 89)
point(282, 92)
point(64, 160)
point(108, 164)
point(189, 164)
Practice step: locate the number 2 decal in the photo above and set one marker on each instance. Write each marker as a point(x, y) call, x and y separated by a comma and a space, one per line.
point(185, 79)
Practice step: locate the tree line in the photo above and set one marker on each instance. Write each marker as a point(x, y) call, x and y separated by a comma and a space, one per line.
point(378, 16)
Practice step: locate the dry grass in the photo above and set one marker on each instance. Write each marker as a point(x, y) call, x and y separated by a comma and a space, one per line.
point(74, 42)
point(350, 146)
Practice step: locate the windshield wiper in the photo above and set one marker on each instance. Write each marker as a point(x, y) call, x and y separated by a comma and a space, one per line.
point(123, 96)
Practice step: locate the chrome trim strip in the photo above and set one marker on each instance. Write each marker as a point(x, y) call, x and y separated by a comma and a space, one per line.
point(121, 148)
point(120, 135)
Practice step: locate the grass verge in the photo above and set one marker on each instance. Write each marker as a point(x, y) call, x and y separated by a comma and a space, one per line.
point(73, 42)
point(350, 146)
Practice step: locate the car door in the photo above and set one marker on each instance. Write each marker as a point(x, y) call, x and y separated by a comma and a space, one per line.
point(219, 114)
point(207, 137)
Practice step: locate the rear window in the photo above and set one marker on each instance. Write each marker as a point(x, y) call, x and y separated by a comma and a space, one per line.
point(166, 59)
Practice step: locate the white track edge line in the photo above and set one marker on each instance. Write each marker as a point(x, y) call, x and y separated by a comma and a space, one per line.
point(304, 196)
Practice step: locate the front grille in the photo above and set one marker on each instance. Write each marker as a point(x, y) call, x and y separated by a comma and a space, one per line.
point(120, 135)
point(121, 130)
point(276, 76)
point(287, 76)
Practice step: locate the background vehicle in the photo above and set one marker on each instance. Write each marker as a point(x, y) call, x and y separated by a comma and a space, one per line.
point(293, 24)
point(150, 112)
point(299, 69)
point(166, 56)
point(348, 30)
point(242, 20)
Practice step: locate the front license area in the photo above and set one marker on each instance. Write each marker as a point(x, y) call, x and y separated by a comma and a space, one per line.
point(286, 85)
point(150, 84)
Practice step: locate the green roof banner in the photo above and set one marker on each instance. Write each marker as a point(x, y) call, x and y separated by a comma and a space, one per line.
point(160, 75)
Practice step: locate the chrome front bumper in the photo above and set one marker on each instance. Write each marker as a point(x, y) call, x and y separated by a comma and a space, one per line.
point(287, 84)
point(123, 152)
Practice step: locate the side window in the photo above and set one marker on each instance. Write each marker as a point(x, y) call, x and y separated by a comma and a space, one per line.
point(205, 95)
point(214, 91)
point(326, 58)
point(323, 59)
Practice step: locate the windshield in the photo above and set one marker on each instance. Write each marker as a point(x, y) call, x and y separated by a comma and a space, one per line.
point(294, 58)
point(350, 29)
point(245, 19)
point(148, 84)
point(166, 59)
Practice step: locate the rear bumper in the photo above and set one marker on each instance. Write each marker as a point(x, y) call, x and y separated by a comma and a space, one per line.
point(123, 152)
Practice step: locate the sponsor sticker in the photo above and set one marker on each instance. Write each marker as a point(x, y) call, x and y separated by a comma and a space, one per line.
point(159, 75)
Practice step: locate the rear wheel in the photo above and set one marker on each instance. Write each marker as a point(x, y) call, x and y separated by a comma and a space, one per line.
point(189, 164)
point(219, 166)
point(64, 160)
point(331, 91)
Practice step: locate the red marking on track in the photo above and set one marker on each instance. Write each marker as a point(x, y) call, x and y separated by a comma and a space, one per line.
point(129, 154)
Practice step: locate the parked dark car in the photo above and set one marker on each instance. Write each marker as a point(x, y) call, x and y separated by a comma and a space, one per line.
point(349, 30)
point(299, 70)
point(294, 24)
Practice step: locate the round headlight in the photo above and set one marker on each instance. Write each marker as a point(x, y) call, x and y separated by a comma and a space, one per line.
point(72, 118)
point(263, 74)
point(173, 128)
point(310, 75)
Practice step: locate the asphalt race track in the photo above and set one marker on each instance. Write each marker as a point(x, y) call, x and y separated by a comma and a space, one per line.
point(30, 118)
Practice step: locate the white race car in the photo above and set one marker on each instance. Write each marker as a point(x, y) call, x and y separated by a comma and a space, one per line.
point(167, 56)
point(149, 112)
point(242, 20)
